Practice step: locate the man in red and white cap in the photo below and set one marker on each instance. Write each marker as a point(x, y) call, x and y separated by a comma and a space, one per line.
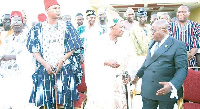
point(55, 44)
point(15, 67)
point(16, 22)
point(42, 17)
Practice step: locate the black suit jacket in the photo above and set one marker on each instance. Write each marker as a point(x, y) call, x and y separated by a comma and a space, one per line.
point(168, 64)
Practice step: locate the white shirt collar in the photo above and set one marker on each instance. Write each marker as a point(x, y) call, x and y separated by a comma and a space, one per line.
point(163, 40)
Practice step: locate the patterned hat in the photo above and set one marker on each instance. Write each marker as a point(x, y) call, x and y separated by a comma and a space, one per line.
point(141, 11)
point(113, 17)
point(42, 17)
point(79, 14)
point(16, 13)
point(48, 3)
point(90, 12)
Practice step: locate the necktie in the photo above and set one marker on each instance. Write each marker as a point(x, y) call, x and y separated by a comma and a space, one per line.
point(157, 46)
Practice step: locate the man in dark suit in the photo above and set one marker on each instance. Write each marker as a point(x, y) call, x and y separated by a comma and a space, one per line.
point(164, 69)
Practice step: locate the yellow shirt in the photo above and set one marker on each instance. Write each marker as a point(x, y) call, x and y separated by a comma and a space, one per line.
point(8, 34)
point(140, 37)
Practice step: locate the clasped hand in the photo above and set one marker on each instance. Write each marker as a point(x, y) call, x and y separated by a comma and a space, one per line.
point(52, 70)
point(112, 64)
point(126, 80)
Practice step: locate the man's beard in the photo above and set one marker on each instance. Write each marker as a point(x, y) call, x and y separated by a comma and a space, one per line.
point(17, 29)
point(79, 24)
point(130, 20)
point(102, 20)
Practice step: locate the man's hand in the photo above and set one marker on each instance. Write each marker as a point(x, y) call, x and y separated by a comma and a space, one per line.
point(8, 57)
point(49, 68)
point(127, 80)
point(189, 55)
point(135, 80)
point(82, 58)
point(166, 88)
point(59, 65)
point(112, 64)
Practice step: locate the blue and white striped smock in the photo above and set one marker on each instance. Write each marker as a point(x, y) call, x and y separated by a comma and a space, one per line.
point(52, 42)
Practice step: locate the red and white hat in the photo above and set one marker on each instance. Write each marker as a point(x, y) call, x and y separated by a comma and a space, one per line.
point(16, 13)
point(42, 17)
point(48, 3)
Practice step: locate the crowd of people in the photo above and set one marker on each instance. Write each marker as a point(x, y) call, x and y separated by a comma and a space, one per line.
point(41, 66)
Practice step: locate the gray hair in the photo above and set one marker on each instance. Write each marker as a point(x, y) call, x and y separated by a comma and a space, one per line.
point(161, 23)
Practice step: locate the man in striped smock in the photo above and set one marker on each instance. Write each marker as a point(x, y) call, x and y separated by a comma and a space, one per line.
point(187, 31)
point(55, 44)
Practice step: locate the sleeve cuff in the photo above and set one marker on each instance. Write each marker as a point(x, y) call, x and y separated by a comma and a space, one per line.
point(173, 92)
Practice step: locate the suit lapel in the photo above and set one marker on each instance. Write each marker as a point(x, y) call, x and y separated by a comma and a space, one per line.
point(163, 48)
point(148, 58)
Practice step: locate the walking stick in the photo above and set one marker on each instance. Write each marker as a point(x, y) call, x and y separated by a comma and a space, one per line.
point(126, 95)
point(55, 88)
point(125, 76)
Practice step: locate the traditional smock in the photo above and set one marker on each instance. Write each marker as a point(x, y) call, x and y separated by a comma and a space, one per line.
point(189, 34)
point(15, 75)
point(52, 42)
point(140, 37)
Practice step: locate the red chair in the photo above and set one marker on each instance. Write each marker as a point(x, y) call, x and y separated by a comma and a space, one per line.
point(82, 88)
point(191, 89)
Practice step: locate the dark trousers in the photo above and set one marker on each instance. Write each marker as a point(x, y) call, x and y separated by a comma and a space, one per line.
point(153, 104)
